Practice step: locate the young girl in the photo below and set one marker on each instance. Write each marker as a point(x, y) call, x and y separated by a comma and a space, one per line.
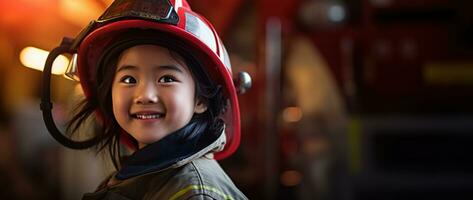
point(157, 78)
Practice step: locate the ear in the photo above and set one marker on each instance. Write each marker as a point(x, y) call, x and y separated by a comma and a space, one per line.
point(200, 106)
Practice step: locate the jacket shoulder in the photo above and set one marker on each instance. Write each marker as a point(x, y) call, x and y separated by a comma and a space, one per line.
point(200, 179)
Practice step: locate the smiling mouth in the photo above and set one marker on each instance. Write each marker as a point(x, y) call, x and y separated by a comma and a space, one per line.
point(148, 116)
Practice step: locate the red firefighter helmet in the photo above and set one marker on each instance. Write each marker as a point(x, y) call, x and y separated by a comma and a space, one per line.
point(167, 17)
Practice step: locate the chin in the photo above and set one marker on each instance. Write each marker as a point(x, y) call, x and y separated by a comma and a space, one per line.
point(147, 139)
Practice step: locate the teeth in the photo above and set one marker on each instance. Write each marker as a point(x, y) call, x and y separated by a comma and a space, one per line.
point(155, 116)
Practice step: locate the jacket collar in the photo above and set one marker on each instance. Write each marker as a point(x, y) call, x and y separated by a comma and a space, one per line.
point(170, 152)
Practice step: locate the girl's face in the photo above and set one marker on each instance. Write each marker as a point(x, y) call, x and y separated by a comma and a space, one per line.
point(153, 93)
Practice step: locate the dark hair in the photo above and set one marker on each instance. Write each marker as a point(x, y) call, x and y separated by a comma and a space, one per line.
point(99, 103)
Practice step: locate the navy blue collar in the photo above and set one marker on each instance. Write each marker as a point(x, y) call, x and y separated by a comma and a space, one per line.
point(164, 153)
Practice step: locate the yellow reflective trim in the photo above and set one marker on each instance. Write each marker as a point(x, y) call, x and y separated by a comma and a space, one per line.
point(448, 73)
point(198, 187)
point(354, 141)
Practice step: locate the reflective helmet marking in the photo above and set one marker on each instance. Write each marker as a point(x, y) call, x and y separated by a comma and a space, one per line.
point(198, 28)
point(177, 4)
point(226, 59)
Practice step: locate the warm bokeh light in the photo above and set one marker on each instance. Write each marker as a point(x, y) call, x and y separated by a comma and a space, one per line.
point(35, 58)
point(80, 13)
point(78, 90)
point(291, 178)
point(107, 2)
point(292, 114)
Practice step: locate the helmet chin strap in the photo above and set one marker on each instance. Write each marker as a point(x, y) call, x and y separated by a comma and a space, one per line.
point(47, 106)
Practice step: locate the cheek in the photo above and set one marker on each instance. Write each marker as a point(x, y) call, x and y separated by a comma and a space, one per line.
point(183, 102)
point(118, 102)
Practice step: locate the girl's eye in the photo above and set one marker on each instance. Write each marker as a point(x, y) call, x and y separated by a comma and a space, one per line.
point(166, 79)
point(128, 80)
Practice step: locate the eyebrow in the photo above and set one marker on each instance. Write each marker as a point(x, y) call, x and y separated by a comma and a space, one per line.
point(126, 67)
point(162, 67)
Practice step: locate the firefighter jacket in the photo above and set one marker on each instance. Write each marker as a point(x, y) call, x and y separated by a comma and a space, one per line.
point(184, 175)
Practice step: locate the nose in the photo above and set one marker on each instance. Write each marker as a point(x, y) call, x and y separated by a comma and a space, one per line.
point(146, 93)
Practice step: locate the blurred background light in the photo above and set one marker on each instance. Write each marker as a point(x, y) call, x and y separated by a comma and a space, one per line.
point(336, 13)
point(35, 58)
point(291, 178)
point(292, 114)
point(80, 13)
